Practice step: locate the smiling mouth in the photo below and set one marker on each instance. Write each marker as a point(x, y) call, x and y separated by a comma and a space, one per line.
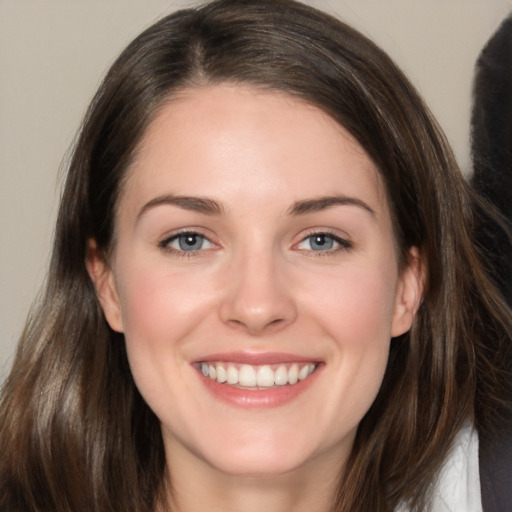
point(257, 376)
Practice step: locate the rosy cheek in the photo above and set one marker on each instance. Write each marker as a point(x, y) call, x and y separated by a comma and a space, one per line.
point(158, 305)
point(355, 302)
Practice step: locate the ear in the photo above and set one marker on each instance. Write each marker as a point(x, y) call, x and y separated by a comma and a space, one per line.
point(102, 276)
point(409, 293)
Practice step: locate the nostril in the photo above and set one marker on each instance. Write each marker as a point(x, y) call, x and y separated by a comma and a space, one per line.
point(257, 327)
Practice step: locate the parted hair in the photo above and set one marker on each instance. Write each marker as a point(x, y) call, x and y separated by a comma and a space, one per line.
point(75, 434)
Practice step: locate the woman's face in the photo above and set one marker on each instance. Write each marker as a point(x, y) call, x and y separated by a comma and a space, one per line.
point(254, 245)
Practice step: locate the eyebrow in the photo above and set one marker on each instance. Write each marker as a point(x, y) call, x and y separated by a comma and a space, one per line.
point(210, 207)
point(306, 206)
point(202, 205)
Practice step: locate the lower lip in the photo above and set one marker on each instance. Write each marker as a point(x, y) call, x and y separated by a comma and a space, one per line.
point(258, 399)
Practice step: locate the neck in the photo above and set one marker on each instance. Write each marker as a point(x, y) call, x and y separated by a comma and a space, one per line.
point(199, 487)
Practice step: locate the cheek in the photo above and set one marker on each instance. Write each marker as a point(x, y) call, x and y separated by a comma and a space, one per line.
point(355, 306)
point(158, 305)
point(355, 314)
point(160, 310)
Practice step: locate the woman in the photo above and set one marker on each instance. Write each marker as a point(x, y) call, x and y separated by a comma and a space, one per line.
point(263, 292)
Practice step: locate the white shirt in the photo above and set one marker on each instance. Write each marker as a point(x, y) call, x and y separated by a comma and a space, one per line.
point(458, 486)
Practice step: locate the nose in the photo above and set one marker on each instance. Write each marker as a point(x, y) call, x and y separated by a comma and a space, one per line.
point(258, 297)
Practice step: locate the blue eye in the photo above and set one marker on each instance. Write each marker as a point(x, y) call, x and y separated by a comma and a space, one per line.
point(323, 242)
point(187, 242)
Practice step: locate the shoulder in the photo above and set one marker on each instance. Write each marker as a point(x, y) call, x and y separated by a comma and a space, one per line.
point(477, 474)
point(457, 488)
point(458, 485)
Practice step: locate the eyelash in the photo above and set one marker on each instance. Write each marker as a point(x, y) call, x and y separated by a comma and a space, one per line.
point(343, 244)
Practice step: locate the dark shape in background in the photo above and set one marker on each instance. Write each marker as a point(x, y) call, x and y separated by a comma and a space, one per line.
point(491, 132)
point(492, 159)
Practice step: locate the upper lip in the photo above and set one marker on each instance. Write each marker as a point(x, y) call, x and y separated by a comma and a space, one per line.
point(255, 358)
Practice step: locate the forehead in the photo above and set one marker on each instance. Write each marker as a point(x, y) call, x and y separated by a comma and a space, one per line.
point(239, 143)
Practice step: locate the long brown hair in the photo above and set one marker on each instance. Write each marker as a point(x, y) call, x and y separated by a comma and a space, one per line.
point(76, 435)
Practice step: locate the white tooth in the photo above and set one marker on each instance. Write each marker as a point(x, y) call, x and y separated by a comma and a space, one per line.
point(293, 374)
point(312, 367)
point(265, 376)
point(281, 376)
point(232, 375)
point(221, 374)
point(247, 376)
point(205, 370)
point(212, 372)
point(304, 372)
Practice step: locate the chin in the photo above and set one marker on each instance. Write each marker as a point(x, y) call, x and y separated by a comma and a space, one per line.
point(258, 465)
point(260, 455)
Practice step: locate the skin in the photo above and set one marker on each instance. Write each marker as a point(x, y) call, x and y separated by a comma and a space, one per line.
point(257, 285)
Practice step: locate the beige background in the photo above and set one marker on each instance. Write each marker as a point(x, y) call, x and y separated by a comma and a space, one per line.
point(53, 53)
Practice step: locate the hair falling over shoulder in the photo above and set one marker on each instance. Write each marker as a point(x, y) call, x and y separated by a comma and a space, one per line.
point(75, 434)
